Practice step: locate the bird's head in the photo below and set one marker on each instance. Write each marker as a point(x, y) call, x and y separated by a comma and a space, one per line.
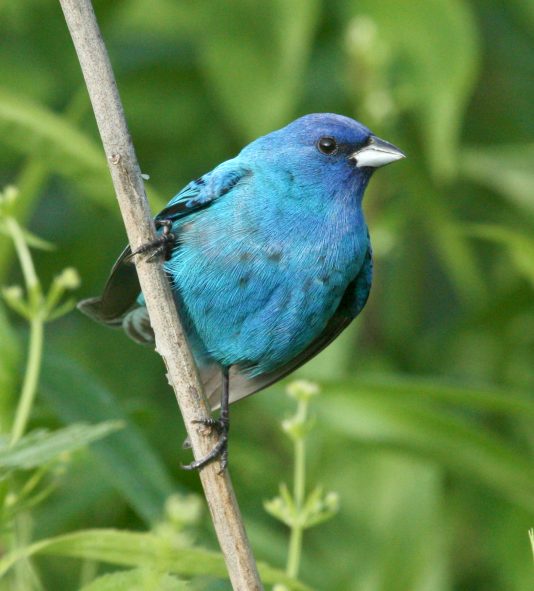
point(331, 147)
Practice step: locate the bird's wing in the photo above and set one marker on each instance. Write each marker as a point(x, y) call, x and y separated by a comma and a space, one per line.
point(122, 287)
point(203, 191)
point(352, 303)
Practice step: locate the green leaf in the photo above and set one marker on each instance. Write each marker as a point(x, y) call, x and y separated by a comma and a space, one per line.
point(140, 550)
point(40, 447)
point(282, 507)
point(467, 448)
point(30, 128)
point(433, 53)
point(507, 170)
point(319, 507)
point(138, 579)
point(127, 458)
point(257, 87)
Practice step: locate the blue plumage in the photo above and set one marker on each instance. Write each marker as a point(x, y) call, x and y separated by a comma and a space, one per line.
point(272, 258)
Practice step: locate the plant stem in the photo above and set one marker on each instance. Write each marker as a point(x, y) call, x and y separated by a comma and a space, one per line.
point(25, 258)
point(29, 183)
point(31, 379)
point(35, 347)
point(299, 490)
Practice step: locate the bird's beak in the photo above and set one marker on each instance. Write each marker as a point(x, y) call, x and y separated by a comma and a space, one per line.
point(376, 153)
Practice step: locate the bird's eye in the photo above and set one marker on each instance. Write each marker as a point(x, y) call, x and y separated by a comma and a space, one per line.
point(327, 145)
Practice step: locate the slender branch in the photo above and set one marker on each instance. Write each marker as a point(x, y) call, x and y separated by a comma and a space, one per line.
point(170, 340)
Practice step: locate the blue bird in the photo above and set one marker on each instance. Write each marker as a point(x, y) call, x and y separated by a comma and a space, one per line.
point(268, 255)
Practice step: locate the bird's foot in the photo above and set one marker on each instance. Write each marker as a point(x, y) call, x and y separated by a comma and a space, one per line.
point(220, 449)
point(162, 245)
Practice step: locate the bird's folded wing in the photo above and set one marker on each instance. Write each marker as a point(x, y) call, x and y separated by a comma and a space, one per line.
point(122, 287)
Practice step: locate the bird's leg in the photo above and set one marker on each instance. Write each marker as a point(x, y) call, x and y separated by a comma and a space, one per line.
point(163, 244)
point(222, 426)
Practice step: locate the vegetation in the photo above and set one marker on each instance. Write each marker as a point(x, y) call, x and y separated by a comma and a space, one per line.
point(424, 428)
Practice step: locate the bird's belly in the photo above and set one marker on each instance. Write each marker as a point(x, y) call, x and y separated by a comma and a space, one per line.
point(257, 307)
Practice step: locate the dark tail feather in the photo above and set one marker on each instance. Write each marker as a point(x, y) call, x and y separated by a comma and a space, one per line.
point(92, 307)
point(135, 323)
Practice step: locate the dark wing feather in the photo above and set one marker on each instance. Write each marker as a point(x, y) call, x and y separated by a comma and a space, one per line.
point(352, 303)
point(203, 191)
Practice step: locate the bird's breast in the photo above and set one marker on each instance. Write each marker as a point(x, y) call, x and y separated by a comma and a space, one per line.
point(257, 289)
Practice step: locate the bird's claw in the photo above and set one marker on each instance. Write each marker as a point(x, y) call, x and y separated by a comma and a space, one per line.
point(162, 245)
point(220, 449)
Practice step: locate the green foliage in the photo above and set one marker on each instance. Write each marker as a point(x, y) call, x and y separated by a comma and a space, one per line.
point(520, 247)
point(54, 140)
point(277, 36)
point(131, 464)
point(137, 579)
point(504, 169)
point(40, 447)
point(424, 428)
point(434, 84)
point(145, 550)
point(462, 446)
point(297, 510)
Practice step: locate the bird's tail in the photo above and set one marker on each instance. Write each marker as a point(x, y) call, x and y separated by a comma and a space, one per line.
point(92, 307)
point(134, 322)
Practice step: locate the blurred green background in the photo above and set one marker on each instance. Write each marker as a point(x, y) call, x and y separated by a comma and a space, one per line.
point(425, 426)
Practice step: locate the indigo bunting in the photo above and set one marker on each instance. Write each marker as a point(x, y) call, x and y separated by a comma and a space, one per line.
point(268, 255)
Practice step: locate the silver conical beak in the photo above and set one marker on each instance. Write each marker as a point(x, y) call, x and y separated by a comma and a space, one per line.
point(376, 153)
